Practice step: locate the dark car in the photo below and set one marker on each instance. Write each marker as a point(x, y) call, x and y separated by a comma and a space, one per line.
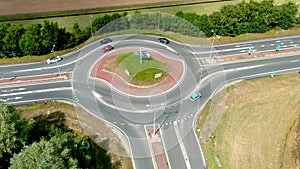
point(163, 40)
point(107, 48)
point(105, 41)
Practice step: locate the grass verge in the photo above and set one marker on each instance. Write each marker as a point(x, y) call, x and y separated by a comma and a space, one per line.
point(257, 119)
point(128, 66)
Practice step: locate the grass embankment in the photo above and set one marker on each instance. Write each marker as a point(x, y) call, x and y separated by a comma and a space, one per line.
point(138, 74)
point(83, 124)
point(258, 117)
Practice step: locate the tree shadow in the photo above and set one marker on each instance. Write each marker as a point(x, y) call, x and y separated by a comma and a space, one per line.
point(102, 157)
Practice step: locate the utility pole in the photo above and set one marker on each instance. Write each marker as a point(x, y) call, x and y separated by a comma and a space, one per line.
point(53, 51)
point(212, 45)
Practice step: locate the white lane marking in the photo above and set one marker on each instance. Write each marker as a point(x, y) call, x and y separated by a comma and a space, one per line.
point(292, 42)
point(36, 91)
point(29, 70)
point(294, 61)
point(262, 46)
point(244, 68)
point(97, 95)
point(12, 90)
point(272, 44)
point(185, 156)
point(224, 50)
point(14, 98)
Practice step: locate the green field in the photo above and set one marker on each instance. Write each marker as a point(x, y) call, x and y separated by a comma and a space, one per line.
point(83, 20)
point(139, 74)
point(258, 118)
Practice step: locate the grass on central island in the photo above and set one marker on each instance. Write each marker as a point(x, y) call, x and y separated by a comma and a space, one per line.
point(139, 74)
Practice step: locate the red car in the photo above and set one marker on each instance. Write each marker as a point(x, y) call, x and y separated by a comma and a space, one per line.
point(107, 48)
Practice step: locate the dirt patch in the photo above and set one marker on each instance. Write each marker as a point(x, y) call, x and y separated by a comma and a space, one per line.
point(10, 7)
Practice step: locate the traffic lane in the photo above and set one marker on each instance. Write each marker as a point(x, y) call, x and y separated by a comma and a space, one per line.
point(172, 147)
point(260, 61)
point(35, 86)
point(262, 42)
point(135, 133)
point(265, 70)
point(191, 144)
point(111, 96)
point(243, 47)
point(52, 69)
point(38, 95)
point(140, 147)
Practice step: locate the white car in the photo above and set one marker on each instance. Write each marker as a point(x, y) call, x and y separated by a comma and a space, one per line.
point(54, 59)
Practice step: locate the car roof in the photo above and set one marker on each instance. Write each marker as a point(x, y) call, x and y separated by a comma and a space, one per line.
point(194, 95)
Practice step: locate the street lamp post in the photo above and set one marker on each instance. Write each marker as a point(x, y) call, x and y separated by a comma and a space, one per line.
point(90, 17)
point(53, 51)
point(141, 59)
point(212, 45)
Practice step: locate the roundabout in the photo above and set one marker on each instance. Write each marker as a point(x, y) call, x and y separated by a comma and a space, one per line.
point(170, 114)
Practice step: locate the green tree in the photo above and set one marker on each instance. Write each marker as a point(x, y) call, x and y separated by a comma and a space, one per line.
point(11, 41)
point(3, 32)
point(50, 34)
point(44, 154)
point(31, 41)
point(14, 132)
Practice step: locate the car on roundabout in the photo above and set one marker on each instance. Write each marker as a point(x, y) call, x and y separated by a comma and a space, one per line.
point(54, 59)
point(163, 40)
point(105, 41)
point(195, 96)
point(107, 48)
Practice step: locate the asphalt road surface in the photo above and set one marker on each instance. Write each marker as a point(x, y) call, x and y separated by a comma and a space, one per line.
point(173, 112)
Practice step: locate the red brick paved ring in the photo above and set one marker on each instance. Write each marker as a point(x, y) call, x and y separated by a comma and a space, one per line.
point(175, 76)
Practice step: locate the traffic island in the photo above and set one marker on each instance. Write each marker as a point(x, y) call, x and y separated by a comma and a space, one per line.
point(157, 149)
point(151, 75)
point(253, 55)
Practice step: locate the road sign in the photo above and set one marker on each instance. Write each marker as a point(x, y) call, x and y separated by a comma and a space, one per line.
point(157, 75)
point(144, 53)
point(273, 74)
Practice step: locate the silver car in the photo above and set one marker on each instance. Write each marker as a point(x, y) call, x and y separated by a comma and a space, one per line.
point(54, 59)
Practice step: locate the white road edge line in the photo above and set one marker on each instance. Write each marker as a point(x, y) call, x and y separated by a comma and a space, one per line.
point(168, 160)
point(185, 156)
